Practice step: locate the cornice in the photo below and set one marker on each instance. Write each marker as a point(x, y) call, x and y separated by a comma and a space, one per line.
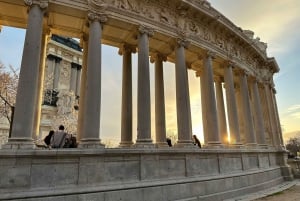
point(196, 18)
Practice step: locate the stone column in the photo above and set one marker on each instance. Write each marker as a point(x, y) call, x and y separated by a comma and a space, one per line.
point(78, 78)
point(91, 126)
point(73, 78)
point(184, 124)
point(84, 44)
point(265, 113)
point(245, 101)
point(235, 138)
point(221, 111)
point(203, 106)
point(39, 100)
point(210, 102)
point(56, 72)
point(160, 120)
point(126, 116)
point(258, 115)
point(23, 126)
point(277, 134)
point(143, 92)
point(275, 141)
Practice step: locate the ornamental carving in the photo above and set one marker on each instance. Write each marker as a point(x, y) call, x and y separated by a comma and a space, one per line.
point(42, 3)
point(93, 16)
point(146, 30)
point(184, 17)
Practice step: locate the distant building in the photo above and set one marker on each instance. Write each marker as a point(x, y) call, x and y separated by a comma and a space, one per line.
point(61, 85)
point(61, 88)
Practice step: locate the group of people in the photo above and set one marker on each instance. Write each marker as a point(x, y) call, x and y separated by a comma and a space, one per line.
point(60, 139)
point(196, 141)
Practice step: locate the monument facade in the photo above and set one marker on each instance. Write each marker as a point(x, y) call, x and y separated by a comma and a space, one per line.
point(189, 33)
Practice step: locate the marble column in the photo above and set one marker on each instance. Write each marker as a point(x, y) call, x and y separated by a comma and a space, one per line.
point(231, 103)
point(184, 124)
point(210, 102)
point(246, 108)
point(221, 111)
point(91, 127)
point(39, 100)
point(160, 120)
point(143, 91)
point(25, 107)
point(78, 79)
point(82, 95)
point(126, 113)
point(56, 74)
point(203, 106)
point(278, 134)
point(73, 77)
point(258, 114)
point(265, 113)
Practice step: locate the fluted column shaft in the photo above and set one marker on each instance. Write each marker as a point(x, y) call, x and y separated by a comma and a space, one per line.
point(248, 121)
point(78, 80)
point(91, 126)
point(82, 95)
point(126, 113)
point(56, 72)
point(277, 118)
point(184, 124)
point(203, 106)
point(22, 128)
point(231, 103)
point(275, 134)
point(221, 111)
point(36, 133)
point(73, 78)
point(160, 120)
point(258, 114)
point(143, 93)
point(210, 102)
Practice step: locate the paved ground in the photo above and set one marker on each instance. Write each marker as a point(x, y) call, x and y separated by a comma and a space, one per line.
point(291, 194)
point(288, 191)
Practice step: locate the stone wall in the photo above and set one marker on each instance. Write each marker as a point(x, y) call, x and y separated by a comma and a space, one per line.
point(133, 174)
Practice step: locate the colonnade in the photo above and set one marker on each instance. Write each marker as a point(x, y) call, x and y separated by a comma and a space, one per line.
point(251, 106)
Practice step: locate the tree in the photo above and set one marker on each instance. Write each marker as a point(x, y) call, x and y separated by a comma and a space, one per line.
point(9, 78)
point(293, 146)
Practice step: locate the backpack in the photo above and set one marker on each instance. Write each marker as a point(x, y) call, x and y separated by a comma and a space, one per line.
point(47, 139)
point(70, 142)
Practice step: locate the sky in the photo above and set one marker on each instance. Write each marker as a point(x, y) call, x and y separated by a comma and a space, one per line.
point(275, 22)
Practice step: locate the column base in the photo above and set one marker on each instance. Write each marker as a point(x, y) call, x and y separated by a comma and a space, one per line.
point(19, 143)
point(263, 146)
point(162, 145)
point(125, 144)
point(214, 145)
point(185, 144)
point(251, 146)
point(236, 146)
point(144, 143)
point(90, 143)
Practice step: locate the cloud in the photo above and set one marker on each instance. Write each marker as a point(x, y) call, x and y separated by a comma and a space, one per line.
point(293, 108)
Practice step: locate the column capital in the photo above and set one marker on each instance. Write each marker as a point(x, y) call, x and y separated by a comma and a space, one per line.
point(100, 17)
point(43, 4)
point(182, 42)
point(75, 65)
point(157, 57)
point(207, 54)
point(143, 29)
point(127, 48)
point(54, 57)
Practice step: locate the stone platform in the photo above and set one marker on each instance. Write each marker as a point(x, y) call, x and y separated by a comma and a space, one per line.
point(137, 174)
